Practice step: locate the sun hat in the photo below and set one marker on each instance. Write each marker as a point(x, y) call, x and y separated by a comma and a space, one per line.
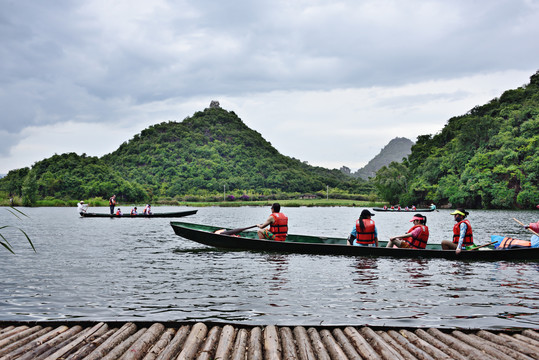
point(460, 211)
point(417, 218)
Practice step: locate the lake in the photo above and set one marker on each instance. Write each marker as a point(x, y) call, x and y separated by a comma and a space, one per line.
point(104, 269)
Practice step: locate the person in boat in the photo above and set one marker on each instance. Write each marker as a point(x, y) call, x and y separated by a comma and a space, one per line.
point(365, 232)
point(134, 211)
point(414, 208)
point(432, 206)
point(112, 203)
point(82, 207)
point(385, 207)
point(535, 228)
point(462, 232)
point(415, 238)
point(147, 210)
point(119, 212)
point(278, 225)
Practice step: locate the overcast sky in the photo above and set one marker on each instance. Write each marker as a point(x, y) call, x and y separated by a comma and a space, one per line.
point(328, 82)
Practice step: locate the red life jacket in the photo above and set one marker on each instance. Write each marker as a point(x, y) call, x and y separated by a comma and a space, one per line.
point(421, 241)
point(468, 237)
point(118, 212)
point(366, 236)
point(510, 243)
point(279, 228)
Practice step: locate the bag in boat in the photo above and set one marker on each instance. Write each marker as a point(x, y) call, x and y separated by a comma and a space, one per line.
point(510, 243)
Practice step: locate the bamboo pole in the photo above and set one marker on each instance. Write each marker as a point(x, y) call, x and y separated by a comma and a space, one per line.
point(360, 343)
point(72, 345)
point(161, 344)
point(86, 350)
point(137, 350)
point(198, 332)
point(239, 350)
point(173, 348)
point(305, 349)
point(520, 345)
point(13, 331)
point(434, 349)
point(6, 353)
point(402, 349)
point(287, 343)
point(531, 334)
point(458, 345)
point(255, 344)
point(117, 338)
point(36, 342)
point(332, 346)
point(226, 341)
point(6, 330)
point(272, 346)
point(21, 333)
point(123, 347)
point(44, 348)
point(480, 345)
point(206, 351)
point(498, 340)
point(318, 345)
point(379, 345)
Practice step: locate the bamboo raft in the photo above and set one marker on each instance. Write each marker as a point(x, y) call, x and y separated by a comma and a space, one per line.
point(160, 341)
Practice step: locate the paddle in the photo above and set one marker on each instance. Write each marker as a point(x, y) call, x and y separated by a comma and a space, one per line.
point(235, 231)
point(480, 246)
point(525, 226)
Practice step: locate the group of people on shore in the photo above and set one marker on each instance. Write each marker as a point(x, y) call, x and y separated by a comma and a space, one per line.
point(365, 232)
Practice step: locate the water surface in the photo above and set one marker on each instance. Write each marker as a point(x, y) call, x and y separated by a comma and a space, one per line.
point(138, 269)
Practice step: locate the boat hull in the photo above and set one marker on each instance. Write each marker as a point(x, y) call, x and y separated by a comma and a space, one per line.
point(301, 244)
point(154, 215)
point(403, 210)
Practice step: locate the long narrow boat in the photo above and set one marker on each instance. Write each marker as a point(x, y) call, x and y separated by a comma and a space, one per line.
point(403, 210)
point(303, 244)
point(153, 215)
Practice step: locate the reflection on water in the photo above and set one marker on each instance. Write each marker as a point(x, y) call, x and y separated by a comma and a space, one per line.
point(138, 269)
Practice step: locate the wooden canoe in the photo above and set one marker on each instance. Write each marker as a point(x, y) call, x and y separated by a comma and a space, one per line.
point(404, 210)
point(304, 244)
point(153, 215)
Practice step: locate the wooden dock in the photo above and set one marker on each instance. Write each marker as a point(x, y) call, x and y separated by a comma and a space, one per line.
point(160, 341)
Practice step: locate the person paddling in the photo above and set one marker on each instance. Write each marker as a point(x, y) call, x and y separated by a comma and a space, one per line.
point(462, 232)
point(278, 225)
point(415, 238)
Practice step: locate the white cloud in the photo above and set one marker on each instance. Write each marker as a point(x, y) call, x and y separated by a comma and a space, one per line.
point(311, 76)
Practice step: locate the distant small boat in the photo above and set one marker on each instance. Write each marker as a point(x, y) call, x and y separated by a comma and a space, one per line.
point(152, 215)
point(322, 245)
point(403, 210)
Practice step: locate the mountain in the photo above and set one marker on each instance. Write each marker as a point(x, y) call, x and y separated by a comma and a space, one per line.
point(200, 155)
point(486, 158)
point(395, 150)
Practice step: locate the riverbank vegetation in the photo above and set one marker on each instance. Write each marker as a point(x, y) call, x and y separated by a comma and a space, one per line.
point(487, 158)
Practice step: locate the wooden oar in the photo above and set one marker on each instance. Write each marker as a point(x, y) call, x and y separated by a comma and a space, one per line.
point(525, 226)
point(235, 231)
point(480, 246)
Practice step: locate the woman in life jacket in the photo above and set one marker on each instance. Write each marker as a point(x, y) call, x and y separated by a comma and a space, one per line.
point(278, 225)
point(365, 232)
point(415, 238)
point(462, 232)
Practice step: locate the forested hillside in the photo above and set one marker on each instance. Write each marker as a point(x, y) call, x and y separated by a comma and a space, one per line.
point(487, 158)
point(201, 155)
point(212, 149)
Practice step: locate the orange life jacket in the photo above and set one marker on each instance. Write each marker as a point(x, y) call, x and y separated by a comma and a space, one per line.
point(421, 241)
point(118, 212)
point(468, 237)
point(279, 228)
point(510, 243)
point(112, 201)
point(366, 236)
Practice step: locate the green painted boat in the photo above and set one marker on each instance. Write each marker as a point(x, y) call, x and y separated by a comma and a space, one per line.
point(153, 215)
point(320, 245)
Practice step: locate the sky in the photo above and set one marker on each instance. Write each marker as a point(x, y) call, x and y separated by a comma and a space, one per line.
point(327, 82)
